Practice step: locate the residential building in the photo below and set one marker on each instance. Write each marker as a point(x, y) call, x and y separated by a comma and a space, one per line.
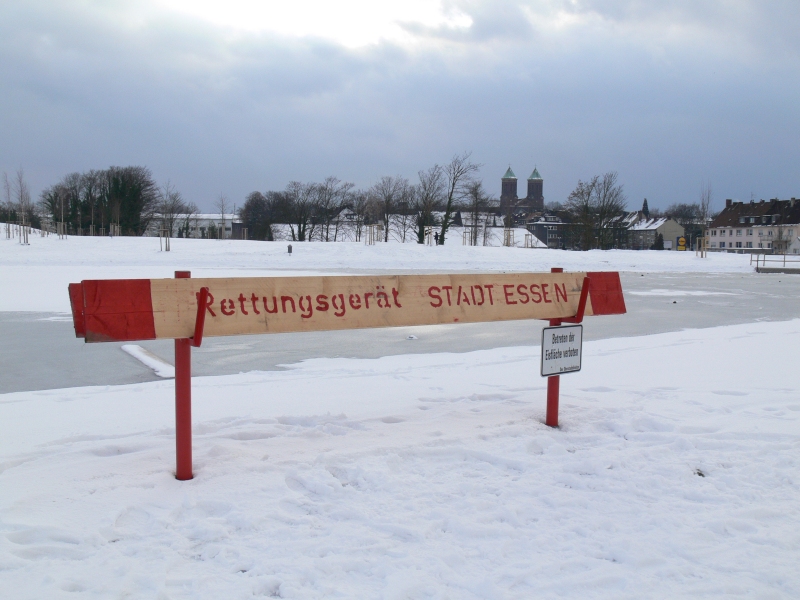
point(549, 229)
point(642, 231)
point(768, 226)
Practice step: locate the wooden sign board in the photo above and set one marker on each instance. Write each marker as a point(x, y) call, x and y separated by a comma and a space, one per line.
point(144, 309)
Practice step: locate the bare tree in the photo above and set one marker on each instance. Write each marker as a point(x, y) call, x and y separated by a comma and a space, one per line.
point(385, 196)
point(7, 189)
point(609, 207)
point(189, 220)
point(72, 186)
point(17, 205)
point(300, 209)
point(359, 202)
point(686, 214)
point(331, 198)
point(404, 218)
point(7, 207)
point(477, 203)
point(23, 196)
point(595, 208)
point(429, 194)
point(459, 173)
point(342, 200)
point(91, 190)
point(171, 206)
point(223, 206)
point(705, 201)
point(579, 208)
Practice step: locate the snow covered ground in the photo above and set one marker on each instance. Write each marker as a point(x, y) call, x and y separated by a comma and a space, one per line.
point(38, 274)
point(674, 472)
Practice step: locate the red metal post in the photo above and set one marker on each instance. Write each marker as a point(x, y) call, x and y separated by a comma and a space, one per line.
point(183, 402)
point(553, 381)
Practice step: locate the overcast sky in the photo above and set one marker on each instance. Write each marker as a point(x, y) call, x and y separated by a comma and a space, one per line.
point(235, 96)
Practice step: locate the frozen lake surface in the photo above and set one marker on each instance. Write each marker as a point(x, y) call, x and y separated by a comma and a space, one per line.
point(664, 291)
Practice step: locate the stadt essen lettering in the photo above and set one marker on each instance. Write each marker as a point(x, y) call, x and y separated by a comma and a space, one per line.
point(520, 294)
point(438, 296)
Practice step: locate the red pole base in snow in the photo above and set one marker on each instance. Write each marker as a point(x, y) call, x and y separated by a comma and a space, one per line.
point(183, 403)
point(553, 381)
point(552, 392)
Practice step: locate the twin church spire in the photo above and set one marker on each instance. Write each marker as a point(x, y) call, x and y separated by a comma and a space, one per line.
point(533, 202)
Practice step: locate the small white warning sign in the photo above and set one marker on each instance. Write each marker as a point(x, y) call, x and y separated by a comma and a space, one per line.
point(561, 350)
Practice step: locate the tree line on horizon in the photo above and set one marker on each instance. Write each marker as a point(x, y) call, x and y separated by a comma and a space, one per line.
point(440, 197)
point(403, 208)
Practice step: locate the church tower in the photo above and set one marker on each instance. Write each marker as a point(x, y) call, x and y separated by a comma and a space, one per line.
point(509, 186)
point(508, 193)
point(535, 198)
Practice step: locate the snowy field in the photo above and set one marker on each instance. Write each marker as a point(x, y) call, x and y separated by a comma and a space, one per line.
point(44, 268)
point(674, 472)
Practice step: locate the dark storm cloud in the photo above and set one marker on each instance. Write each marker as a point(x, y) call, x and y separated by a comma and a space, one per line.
point(667, 96)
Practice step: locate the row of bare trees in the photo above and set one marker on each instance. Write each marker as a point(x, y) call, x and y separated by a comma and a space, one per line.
point(333, 210)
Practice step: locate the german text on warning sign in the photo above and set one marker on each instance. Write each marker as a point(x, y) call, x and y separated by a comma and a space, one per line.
point(561, 350)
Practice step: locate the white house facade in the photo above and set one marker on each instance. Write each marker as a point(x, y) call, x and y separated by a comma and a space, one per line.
point(768, 226)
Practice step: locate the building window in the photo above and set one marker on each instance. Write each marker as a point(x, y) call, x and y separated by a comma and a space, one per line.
point(738, 244)
point(713, 232)
point(791, 232)
point(769, 244)
point(752, 219)
point(713, 244)
point(722, 244)
point(741, 219)
point(730, 232)
point(749, 244)
point(760, 233)
point(760, 245)
point(738, 233)
point(769, 232)
point(749, 232)
point(722, 233)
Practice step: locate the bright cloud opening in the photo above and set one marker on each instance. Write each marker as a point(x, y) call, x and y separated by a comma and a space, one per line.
point(352, 23)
